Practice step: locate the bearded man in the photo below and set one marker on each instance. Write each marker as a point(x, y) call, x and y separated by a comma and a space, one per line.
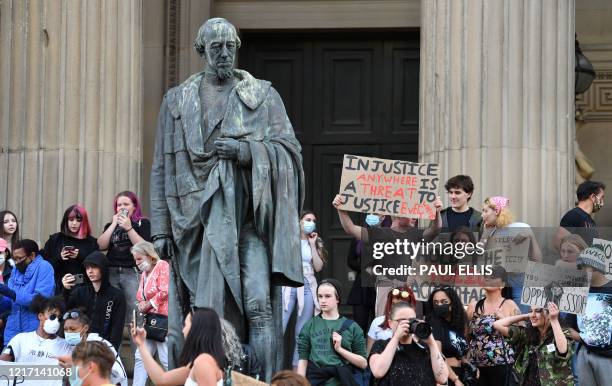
point(227, 187)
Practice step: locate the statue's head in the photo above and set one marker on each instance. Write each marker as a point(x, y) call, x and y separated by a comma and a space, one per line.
point(217, 42)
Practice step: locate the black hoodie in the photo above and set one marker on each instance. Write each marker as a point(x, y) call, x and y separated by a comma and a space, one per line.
point(105, 308)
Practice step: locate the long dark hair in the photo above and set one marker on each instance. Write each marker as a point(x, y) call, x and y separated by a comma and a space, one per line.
point(458, 317)
point(320, 246)
point(15, 236)
point(204, 337)
point(81, 214)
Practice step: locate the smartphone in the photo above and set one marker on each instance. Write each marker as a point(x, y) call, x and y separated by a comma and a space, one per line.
point(69, 248)
point(134, 318)
point(124, 212)
point(78, 278)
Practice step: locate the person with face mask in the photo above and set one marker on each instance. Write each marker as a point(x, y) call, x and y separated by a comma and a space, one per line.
point(42, 346)
point(579, 220)
point(103, 304)
point(32, 276)
point(402, 229)
point(362, 295)
point(76, 330)
point(314, 256)
point(93, 363)
point(152, 299)
point(446, 315)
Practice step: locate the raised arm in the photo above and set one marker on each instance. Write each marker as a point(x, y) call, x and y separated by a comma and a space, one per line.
point(436, 224)
point(560, 339)
point(355, 359)
point(345, 220)
point(502, 325)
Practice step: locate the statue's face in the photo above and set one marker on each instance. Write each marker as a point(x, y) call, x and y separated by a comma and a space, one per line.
point(221, 50)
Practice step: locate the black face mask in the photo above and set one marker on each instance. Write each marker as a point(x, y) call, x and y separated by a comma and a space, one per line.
point(441, 310)
point(22, 266)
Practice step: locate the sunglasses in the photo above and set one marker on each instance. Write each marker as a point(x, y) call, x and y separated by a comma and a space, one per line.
point(71, 315)
point(539, 310)
point(400, 293)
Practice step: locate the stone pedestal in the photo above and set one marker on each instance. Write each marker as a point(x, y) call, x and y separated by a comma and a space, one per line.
point(497, 100)
point(70, 108)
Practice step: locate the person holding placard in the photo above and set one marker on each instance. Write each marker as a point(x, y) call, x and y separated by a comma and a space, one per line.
point(498, 224)
point(402, 229)
point(543, 349)
point(593, 329)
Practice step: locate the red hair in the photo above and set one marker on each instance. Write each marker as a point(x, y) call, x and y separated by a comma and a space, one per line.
point(409, 298)
point(137, 215)
point(80, 213)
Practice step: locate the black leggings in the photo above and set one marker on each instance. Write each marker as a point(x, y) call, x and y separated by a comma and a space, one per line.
point(494, 375)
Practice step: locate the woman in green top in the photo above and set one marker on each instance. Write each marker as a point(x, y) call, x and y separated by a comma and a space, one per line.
point(544, 353)
point(330, 345)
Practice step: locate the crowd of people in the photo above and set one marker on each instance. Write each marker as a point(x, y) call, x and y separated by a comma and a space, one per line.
point(68, 304)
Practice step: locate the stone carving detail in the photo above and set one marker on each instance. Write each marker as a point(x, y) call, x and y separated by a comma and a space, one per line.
point(595, 104)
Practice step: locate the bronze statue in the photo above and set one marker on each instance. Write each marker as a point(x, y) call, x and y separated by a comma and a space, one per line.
point(227, 187)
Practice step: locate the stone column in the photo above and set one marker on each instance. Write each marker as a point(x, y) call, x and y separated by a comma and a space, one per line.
point(70, 108)
point(497, 100)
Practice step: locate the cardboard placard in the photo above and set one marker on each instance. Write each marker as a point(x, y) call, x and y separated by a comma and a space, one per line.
point(391, 187)
point(607, 249)
point(568, 288)
point(515, 250)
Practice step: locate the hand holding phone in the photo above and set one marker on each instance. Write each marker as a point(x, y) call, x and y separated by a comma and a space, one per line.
point(79, 278)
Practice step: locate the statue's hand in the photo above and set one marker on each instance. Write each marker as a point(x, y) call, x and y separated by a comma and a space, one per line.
point(227, 148)
point(163, 246)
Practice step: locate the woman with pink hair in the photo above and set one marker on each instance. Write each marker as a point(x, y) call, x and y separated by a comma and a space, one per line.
point(66, 249)
point(127, 228)
point(500, 230)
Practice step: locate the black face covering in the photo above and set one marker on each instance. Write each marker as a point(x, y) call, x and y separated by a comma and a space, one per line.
point(22, 266)
point(441, 310)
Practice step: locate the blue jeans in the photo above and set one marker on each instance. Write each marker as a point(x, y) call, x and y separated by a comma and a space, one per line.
point(307, 314)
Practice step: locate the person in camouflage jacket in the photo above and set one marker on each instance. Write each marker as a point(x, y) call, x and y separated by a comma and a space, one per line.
point(544, 352)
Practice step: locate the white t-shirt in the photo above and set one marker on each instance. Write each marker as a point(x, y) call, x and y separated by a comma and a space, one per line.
point(377, 333)
point(30, 348)
point(306, 252)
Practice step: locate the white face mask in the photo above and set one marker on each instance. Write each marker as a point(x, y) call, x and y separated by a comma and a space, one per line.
point(51, 327)
point(145, 266)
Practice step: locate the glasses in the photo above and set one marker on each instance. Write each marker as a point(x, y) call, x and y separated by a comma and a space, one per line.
point(71, 315)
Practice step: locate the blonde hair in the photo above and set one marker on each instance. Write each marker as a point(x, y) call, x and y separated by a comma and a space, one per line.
point(504, 218)
point(576, 241)
point(147, 249)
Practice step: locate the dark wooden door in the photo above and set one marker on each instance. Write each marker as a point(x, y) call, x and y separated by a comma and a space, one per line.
point(345, 92)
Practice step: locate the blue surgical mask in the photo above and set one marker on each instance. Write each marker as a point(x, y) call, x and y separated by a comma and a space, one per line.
point(372, 220)
point(74, 378)
point(309, 227)
point(72, 338)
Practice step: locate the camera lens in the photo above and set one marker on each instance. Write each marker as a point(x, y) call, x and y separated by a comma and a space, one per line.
point(421, 329)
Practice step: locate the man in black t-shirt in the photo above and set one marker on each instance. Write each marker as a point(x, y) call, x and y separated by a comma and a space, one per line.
point(459, 213)
point(590, 196)
point(404, 356)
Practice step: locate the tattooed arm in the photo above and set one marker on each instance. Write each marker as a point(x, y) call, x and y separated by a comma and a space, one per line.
point(438, 364)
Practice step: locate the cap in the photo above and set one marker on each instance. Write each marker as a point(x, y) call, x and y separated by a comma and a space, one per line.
point(3, 245)
point(334, 283)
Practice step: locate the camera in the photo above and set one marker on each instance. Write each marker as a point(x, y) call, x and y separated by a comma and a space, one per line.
point(78, 278)
point(419, 328)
